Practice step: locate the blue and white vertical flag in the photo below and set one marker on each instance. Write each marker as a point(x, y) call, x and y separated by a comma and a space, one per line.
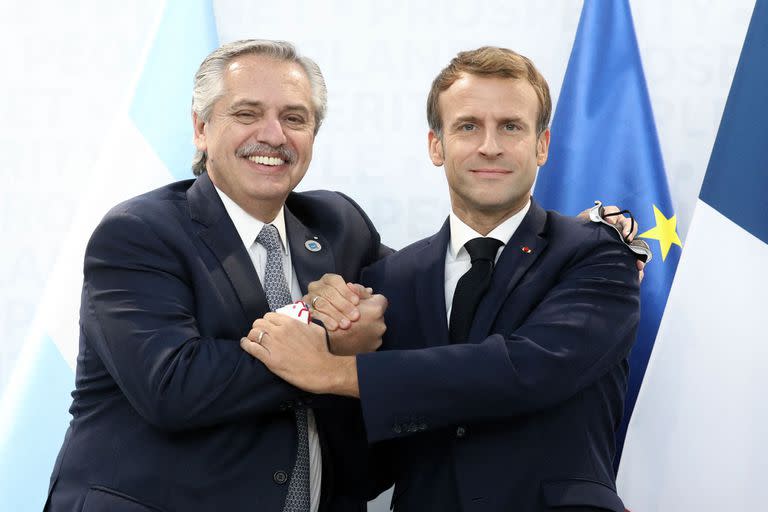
point(604, 146)
point(148, 144)
point(698, 439)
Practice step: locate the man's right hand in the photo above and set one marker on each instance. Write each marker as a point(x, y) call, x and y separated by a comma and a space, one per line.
point(364, 334)
point(337, 300)
point(353, 316)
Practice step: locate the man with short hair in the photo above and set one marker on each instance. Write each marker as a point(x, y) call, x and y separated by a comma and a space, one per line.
point(504, 365)
point(168, 412)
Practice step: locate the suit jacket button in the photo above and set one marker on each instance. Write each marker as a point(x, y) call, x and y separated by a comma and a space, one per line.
point(280, 477)
point(461, 432)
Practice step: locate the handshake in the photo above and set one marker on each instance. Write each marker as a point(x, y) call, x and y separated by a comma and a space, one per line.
point(316, 359)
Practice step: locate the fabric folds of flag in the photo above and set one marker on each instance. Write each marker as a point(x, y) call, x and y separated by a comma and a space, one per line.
point(161, 105)
point(697, 440)
point(154, 131)
point(604, 146)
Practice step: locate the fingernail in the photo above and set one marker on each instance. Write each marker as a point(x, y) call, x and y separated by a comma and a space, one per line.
point(344, 323)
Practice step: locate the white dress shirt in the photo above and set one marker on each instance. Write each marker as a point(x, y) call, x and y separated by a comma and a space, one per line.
point(457, 261)
point(249, 228)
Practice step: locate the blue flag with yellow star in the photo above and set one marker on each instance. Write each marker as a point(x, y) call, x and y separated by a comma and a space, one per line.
point(604, 146)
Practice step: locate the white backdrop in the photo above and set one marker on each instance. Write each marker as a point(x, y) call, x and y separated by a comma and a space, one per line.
point(69, 71)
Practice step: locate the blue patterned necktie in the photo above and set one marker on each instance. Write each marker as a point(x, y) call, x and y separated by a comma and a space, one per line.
point(278, 295)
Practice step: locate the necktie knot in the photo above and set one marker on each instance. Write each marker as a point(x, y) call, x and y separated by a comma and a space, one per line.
point(269, 238)
point(482, 248)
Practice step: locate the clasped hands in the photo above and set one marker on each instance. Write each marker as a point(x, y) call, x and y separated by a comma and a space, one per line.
point(299, 354)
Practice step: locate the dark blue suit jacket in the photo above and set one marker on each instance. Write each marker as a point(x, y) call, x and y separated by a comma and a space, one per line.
point(169, 413)
point(522, 416)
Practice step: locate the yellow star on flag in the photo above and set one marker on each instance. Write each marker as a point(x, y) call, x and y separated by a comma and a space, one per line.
point(665, 232)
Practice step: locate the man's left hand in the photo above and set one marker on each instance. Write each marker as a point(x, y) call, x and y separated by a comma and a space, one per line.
point(626, 226)
point(298, 353)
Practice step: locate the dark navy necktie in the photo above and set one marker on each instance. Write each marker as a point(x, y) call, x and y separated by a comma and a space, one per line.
point(472, 286)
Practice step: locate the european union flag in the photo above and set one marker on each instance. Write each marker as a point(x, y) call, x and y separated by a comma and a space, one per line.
point(604, 146)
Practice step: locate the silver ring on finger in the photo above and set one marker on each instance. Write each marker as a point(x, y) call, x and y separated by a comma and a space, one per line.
point(261, 335)
point(314, 302)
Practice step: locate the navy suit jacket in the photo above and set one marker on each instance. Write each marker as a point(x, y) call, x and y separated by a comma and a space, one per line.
point(169, 413)
point(522, 416)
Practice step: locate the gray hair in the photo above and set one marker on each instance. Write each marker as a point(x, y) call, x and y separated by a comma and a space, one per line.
point(209, 80)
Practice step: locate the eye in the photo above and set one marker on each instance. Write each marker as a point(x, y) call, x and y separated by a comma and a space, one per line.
point(467, 127)
point(245, 116)
point(295, 119)
point(511, 127)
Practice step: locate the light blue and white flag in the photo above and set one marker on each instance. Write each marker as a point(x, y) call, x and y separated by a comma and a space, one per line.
point(698, 439)
point(150, 144)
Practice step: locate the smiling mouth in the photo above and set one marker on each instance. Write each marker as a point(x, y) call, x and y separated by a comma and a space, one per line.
point(266, 160)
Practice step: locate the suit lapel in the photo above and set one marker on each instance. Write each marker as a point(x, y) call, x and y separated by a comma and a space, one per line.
point(430, 288)
point(520, 253)
point(308, 265)
point(219, 234)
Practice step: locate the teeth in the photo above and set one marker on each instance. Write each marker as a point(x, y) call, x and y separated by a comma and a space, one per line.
point(266, 160)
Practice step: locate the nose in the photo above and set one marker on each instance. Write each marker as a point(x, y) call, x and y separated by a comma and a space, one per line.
point(271, 132)
point(490, 147)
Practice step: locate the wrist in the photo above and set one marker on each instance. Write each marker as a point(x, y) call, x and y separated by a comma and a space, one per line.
point(343, 376)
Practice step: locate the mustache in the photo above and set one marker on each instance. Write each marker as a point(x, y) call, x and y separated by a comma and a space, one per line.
point(259, 148)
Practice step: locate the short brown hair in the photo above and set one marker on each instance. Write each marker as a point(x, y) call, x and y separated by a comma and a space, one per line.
point(490, 61)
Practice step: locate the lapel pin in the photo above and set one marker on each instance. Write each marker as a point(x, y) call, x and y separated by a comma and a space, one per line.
point(526, 249)
point(313, 245)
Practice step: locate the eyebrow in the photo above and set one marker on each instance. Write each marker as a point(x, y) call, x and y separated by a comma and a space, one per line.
point(514, 119)
point(245, 103)
point(472, 119)
point(464, 119)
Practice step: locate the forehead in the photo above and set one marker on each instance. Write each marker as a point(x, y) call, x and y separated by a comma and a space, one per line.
point(480, 96)
point(262, 78)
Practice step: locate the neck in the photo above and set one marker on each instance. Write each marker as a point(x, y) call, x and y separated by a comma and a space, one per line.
point(263, 212)
point(484, 222)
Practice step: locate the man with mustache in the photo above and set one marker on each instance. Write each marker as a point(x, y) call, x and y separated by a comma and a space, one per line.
point(169, 413)
point(503, 371)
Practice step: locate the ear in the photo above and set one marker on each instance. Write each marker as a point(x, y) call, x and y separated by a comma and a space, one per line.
point(436, 149)
point(198, 129)
point(542, 148)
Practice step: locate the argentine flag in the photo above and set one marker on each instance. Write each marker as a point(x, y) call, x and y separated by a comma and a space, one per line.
point(148, 145)
point(698, 439)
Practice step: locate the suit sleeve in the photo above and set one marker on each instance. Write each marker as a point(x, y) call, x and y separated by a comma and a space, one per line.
point(584, 326)
point(138, 314)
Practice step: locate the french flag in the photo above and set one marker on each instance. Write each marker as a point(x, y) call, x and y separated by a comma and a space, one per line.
point(698, 439)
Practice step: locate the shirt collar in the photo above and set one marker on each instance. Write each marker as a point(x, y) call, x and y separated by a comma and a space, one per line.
point(249, 227)
point(461, 233)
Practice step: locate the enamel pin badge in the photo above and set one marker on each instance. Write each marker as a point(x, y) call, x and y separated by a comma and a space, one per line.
point(313, 245)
